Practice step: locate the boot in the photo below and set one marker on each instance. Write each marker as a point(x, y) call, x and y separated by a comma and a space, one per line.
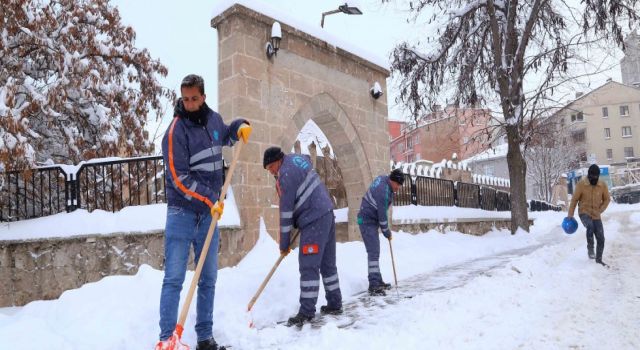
point(377, 291)
point(599, 261)
point(299, 320)
point(386, 286)
point(326, 310)
point(591, 255)
point(209, 344)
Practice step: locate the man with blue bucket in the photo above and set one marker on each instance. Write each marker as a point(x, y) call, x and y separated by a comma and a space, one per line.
point(592, 197)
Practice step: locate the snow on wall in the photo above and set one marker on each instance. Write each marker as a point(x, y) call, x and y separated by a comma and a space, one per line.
point(315, 31)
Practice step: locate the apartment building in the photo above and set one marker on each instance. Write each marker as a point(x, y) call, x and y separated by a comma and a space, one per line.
point(440, 134)
point(604, 123)
point(395, 128)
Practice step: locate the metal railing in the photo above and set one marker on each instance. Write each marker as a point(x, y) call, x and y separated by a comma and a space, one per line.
point(467, 195)
point(108, 185)
point(114, 185)
point(429, 191)
point(33, 193)
point(535, 205)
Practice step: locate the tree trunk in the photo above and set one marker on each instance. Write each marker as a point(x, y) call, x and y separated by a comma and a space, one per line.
point(517, 175)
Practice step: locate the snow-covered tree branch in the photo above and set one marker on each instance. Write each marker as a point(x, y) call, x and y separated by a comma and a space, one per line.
point(72, 84)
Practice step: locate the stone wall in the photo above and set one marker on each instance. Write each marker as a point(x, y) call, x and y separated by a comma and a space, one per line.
point(43, 270)
point(476, 227)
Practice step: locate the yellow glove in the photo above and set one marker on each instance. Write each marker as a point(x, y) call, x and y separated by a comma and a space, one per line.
point(243, 132)
point(217, 208)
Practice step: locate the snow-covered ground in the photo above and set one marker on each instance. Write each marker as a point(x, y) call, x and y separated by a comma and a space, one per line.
point(534, 290)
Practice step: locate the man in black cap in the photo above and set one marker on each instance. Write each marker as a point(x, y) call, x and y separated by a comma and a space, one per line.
point(305, 203)
point(373, 214)
point(592, 196)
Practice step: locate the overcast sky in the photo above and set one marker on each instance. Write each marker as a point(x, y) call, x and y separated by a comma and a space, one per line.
point(180, 35)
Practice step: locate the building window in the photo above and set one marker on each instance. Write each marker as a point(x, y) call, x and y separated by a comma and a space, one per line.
point(607, 133)
point(605, 112)
point(624, 111)
point(409, 142)
point(465, 140)
point(417, 140)
point(579, 136)
point(628, 152)
point(626, 131)
point(418, 156)
point(577, 117)
point(562, 121)
point(609, 154)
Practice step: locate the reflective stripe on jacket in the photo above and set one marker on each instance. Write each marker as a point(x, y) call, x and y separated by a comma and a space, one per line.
point(303, 196)
point(193, 160)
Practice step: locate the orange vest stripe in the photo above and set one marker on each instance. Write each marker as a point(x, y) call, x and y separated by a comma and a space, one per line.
point(174, 175)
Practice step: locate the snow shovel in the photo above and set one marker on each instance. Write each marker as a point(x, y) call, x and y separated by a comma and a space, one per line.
point(273, 270)
point(393, 263)
point(175, 342)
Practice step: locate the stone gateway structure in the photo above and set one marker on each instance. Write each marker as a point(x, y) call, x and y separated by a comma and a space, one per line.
point(307, 79)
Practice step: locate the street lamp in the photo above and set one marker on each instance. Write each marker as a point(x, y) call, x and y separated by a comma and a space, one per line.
point(349, 7)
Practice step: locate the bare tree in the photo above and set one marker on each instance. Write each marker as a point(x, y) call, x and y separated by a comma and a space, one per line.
point(483, 50)
point(73, 86)
point(547, 160)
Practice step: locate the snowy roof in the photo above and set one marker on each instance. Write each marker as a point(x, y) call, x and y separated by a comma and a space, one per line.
point(313, 30)
point(499, 151)
point(590, 93)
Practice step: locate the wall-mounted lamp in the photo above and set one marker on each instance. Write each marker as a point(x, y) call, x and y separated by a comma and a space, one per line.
point(376, 90)
point(349, 7)
point(273, 45)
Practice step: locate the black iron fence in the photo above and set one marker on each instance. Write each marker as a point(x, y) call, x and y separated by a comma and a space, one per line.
point(428, 191)
point(113, 185)
point(33, 193)
point(535, 205)
point(108, 185)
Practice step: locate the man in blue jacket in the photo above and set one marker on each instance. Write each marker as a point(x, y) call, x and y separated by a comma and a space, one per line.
point(373, 214)
point(306, 205)
point(192, 152)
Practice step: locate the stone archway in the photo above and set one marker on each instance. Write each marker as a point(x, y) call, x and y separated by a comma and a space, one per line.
point(308, 79)
point(325, 111)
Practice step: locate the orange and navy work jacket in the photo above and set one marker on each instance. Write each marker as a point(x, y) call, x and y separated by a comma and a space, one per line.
point(193, 162)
